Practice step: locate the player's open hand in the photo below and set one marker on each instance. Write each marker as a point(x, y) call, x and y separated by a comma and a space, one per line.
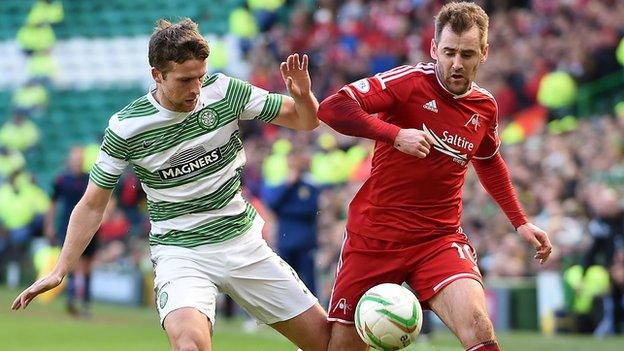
point(40, 286)
point(296, 76)
point(538, 239)
point(413, 142)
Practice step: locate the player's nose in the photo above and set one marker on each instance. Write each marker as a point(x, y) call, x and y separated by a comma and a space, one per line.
point(457, 62)
point(196, 87)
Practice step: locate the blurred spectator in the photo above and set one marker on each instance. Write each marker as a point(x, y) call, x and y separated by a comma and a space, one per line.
point(46, 12)
point(36, 38)
point(295, 204)
point(11, 161)
point(30, 99)
point(556, 90)
point(587, 295)
point(19, 133)
point(329, 165)
point(68, 188)
point(21, 204)
point(275, 166)
point(115, 225)
point(606, 227)
point(265, 12)
point(244, 27)
point(42, 68)
point(131, 198)
point(90, 154)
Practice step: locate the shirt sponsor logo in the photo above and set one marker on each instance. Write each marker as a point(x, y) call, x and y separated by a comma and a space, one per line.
point(190, 167)
point(448, 143)
point(457, 140)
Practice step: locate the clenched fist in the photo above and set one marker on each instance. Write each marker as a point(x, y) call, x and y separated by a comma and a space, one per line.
point(413, 142)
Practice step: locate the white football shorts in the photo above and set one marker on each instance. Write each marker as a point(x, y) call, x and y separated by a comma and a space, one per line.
point(245, 268)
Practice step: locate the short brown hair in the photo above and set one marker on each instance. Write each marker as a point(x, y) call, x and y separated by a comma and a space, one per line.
point(177, 42)
point(462, 16)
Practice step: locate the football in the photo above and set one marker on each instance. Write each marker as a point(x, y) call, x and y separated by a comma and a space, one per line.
point(388, 317)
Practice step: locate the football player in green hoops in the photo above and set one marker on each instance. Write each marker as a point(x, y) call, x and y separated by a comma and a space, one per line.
point(183, 141)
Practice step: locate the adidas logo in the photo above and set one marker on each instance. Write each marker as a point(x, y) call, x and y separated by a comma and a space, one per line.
point(431, 106)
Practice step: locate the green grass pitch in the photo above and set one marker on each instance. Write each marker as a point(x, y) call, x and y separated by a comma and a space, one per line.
point(116, 328)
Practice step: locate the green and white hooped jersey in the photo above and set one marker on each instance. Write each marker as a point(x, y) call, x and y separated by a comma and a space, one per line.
point(189, 164)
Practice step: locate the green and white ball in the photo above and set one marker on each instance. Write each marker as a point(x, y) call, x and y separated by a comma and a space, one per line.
point(388, 317)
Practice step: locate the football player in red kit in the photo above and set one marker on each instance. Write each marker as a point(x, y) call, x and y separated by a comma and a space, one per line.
point(404, 223)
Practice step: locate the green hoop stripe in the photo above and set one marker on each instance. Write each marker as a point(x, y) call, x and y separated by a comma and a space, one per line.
point(162, 210)
point(215, 231)
point(103, 179)
point(140, 107)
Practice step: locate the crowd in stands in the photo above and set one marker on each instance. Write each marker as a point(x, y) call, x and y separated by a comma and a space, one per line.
point(570, 179)
point(23, 203)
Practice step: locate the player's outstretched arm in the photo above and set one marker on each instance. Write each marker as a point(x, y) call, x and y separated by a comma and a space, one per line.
point(83, 223)
point(299, 110)
point(494, 175)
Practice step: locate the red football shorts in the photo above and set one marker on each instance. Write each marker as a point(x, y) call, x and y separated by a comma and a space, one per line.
point(427, 268)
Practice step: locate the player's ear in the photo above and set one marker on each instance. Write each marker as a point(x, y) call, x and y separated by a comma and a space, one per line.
point(157, 75)
point(484, 56)
point(433, 50)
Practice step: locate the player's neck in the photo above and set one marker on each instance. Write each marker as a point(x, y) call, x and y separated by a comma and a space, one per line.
point(163, 101)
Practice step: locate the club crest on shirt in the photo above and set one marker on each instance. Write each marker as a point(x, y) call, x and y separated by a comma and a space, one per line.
point(474, 122)
point(362, 85)
point(207, 118)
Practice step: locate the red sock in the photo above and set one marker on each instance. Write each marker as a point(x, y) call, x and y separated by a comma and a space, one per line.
point(491, 345)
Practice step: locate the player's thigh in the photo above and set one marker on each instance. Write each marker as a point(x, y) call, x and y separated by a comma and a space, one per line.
point(363, 264)
point(309, 330)
point(344, 337)
point(270, 290)
point(188, 329)
point(181, 281)
point(435, 264)
point(265, 285)
point(461, 306)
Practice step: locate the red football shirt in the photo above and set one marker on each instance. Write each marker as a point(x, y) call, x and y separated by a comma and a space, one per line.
point(409, 199)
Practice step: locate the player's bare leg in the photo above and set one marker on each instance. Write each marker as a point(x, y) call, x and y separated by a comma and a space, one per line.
point(309, 330)
point(188, 330)
point(461, 306)
point(344, 337)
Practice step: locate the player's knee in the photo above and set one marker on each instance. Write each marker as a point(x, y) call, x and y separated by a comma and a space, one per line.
point(189, 339)
point(477, 329)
